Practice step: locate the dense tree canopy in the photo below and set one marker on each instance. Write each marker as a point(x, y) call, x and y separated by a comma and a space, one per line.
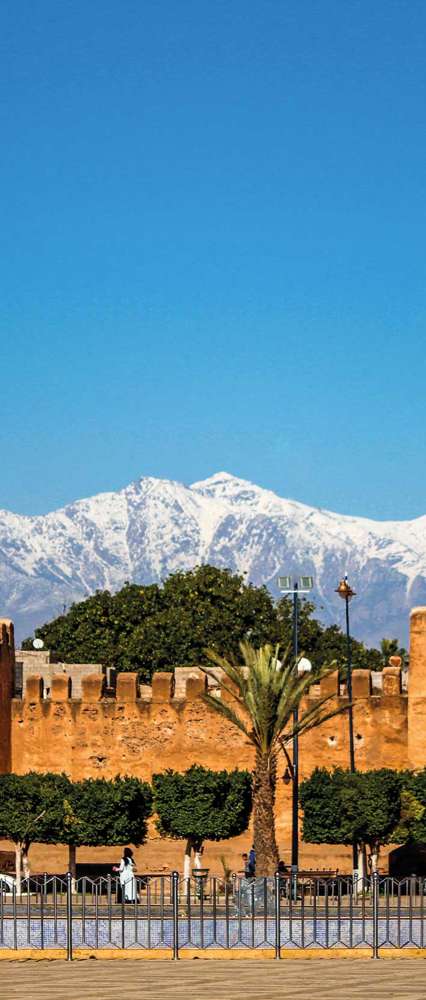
point(202, 804)
point(32, 809)
point(342, 807)
point(148, 628)
point(100, 812)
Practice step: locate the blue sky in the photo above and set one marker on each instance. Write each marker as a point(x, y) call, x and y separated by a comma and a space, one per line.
point(213, 248)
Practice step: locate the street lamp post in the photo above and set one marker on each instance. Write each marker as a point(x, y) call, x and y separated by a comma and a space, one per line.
point(346, 593)
point(301, 586)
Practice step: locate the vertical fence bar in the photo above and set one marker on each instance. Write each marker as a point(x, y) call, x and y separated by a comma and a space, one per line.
point(252, 908)
point(148, 916)
point(123, 931)
point(162, 905)
point(28, 912)
point(15, 926)
point(55, 909)
point(42, 892)
point(277, 914)
point(265, 909)
point(69, 917)
point(201, 891)
point(175, 903)
point(375, 879)
point(109, 906)
point(214, 913)
point(83, 910)
point(97, 889)
point(411, 898)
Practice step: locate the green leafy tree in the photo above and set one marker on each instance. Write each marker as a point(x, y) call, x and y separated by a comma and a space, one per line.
point(391, 647)
point(320, 643)
point(149, 628)
point(156, 628)
point(98, 813)
point(344, 807)
point(32, 809)
point(202, 805)
point(266, 691)
point(412, 823)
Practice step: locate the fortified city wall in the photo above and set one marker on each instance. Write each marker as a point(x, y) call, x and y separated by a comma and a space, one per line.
point(144, 729)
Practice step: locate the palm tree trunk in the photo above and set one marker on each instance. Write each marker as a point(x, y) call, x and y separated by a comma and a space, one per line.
point(263, 813)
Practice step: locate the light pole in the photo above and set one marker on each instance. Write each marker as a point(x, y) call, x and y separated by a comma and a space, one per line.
point(302, 586)
point(346, 593)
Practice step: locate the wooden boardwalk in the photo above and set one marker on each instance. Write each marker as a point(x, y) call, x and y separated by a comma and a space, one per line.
point(334, 979)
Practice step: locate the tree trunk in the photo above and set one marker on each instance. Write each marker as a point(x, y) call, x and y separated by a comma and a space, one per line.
point(25, 859)
point(187, 862)
point(72, 866)
point(362, 868)
point(263, 812)
point(374, 855)
point(18, 860)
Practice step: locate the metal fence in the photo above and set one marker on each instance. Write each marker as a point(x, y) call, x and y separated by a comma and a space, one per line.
point(172, 913)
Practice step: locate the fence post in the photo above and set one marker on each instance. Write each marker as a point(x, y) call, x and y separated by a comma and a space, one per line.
point(375, 879)
point(277, 902)
point(175, 904)
point(69, 917)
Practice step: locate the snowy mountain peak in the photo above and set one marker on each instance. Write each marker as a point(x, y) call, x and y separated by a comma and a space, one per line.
point(154, 526)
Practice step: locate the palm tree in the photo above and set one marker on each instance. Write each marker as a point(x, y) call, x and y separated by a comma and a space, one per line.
point(267, 690)
point(391, 647)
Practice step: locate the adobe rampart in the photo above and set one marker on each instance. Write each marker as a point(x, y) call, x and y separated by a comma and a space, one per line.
point(144, 729)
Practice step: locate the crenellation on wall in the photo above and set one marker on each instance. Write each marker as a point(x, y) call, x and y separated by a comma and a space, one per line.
point(33, 689)
point(391, 682)
point(167, 688)
point(141, 729)
point(61, 687)
point(92, 687)
point(329, 686)
point(361, 683)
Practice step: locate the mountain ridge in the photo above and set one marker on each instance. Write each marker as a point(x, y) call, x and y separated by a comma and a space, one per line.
point(155, 526)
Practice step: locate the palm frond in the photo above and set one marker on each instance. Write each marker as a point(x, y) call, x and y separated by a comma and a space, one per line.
point(267, 690)
point(222, 708)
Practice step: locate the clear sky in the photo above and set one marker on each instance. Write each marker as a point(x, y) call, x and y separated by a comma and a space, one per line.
point(213, 248)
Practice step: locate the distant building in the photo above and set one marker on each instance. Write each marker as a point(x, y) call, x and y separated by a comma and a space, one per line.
point(44, 663)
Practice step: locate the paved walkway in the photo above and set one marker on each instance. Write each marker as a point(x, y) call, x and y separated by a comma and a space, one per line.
point(226, 980)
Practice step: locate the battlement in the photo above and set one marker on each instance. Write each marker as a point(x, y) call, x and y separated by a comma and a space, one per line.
point(81, 719)
point(187, 684)
point(183, 684)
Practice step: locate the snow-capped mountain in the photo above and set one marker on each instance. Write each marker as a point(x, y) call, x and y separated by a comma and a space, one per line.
point(155, 526)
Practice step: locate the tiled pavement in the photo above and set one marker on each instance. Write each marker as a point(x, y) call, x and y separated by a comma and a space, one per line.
point(335, 979)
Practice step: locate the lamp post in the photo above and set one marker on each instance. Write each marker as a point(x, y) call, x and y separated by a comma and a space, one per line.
point(346, 593)
point(302, 586)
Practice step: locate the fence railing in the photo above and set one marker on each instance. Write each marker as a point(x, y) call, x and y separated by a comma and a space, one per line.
point(172, 913)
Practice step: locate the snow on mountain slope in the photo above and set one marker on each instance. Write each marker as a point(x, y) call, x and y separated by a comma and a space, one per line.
point(154, 526)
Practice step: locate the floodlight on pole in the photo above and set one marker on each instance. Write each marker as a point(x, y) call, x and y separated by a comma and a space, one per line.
point(287, 586)
point(344, 590)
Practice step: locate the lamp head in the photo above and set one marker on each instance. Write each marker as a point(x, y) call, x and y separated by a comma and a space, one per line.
point(344, 590)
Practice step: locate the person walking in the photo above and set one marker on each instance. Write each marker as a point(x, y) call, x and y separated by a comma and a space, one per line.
point(126, 870)
point(252, 859)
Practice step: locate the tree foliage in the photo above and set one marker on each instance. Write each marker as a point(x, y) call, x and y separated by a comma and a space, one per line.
point(202, 804)
point(412, 822)
point(98, 812)
point(322, 643)
point(32, 807)
point(342, 807)
point(149, 628)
